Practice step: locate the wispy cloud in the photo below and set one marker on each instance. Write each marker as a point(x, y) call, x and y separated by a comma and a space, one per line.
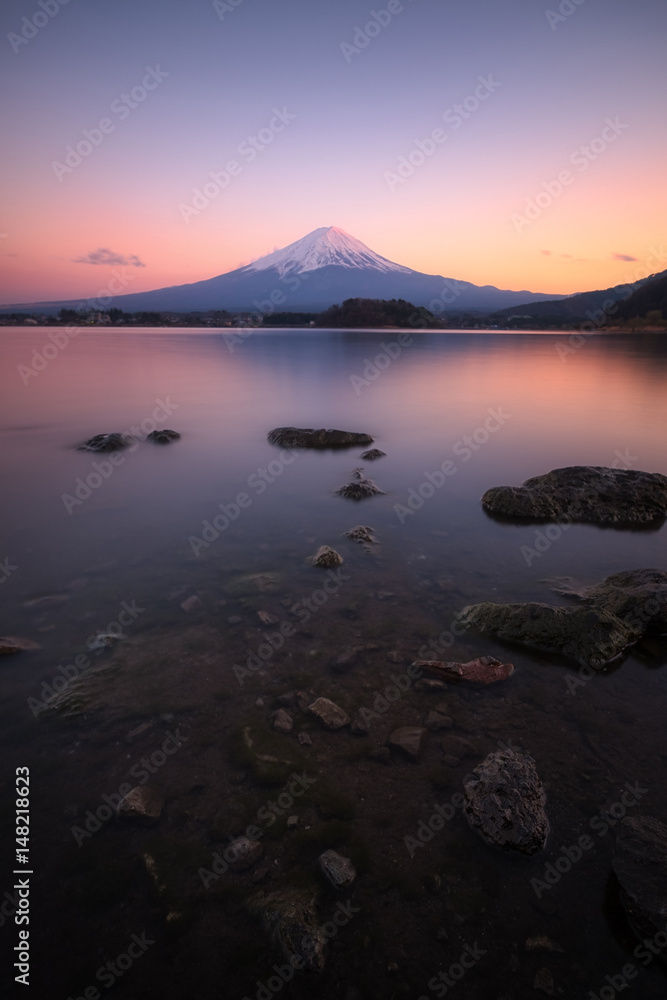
point(108, 257)
point(623, 256)
point(547, 253)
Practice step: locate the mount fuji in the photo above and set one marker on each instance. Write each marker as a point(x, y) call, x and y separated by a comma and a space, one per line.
point(319, 270)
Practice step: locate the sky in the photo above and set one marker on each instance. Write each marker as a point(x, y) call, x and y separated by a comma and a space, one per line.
point(518, 143)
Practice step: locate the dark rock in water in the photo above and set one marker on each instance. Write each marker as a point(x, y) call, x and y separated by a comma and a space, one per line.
point(589, 635)
point(362, 534)
point(339, 870)
point(142, 803)
point(106, 442)
point(343, 661)
point(592, 494)
point(326, 557)
point(306, 437)
point(289, 916)
point(484, 670)
point(329, 714)
point(505, 802)
point(282, 721)
point(164, 436)
point(14, 644)
point(359, 490)
point(242, 853)
point(640, 865)
point(637, 596)
point(410, 739)
point(373, 454)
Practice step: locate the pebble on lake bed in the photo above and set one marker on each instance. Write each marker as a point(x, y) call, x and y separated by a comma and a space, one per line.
point(329, 714)
point(141, 803)
point(339, 870)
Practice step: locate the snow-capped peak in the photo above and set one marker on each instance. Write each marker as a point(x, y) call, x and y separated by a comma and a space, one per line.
point(322, 247)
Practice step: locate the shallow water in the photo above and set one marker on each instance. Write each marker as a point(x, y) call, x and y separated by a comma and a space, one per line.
point(491, 409)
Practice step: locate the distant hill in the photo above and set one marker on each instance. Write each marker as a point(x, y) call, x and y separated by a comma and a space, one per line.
point(575, 308)
point(650, 298)
point(377, 312)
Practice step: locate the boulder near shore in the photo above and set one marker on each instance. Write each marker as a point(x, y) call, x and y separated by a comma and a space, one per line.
point(585, 493)
point(306, 437)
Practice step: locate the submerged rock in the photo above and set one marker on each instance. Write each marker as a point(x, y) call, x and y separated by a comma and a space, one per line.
point(289, 916)
point(373, 454)
point(329, 714)
point(282, 721)
point(640, 865)
point(592, 494)
point(339, 870)
point(163, 436)
point(326, 557)
point(637, 596)
point(589, 635)
point(14, 644)
point(484, 670)
point(363, 534)
point(410, 739)
point(505, 802)
point(306, 437)
point(359, 490)
point(141, 803)
point(106, 442)
point(242, 853)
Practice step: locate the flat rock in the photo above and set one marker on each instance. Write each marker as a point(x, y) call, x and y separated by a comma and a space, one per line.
point(289, 917)
point(426, 684)
point(359, 489)
point(372, 454)
point(106, 442)
point(306, 437)
point(505, 802)
point(640, 865)
point(242, 853)
point(329, 714)
point(484, 670)
point(589, 635)
point(326, 557)
point(141, 803)
point(282, 721)
point(14, 644)
point(590, 494)
point(164, 436)
point(410, 739)
point(346, 659)
point(339, 870)
point(435, 722)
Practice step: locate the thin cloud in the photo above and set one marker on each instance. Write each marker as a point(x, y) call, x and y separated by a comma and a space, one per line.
point(108, 258)
point(547, 253)
point(623, 256)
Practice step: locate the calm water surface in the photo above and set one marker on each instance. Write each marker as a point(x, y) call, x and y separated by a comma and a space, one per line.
point(84, 540)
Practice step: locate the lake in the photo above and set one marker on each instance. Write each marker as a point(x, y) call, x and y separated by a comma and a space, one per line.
point(179, 547)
